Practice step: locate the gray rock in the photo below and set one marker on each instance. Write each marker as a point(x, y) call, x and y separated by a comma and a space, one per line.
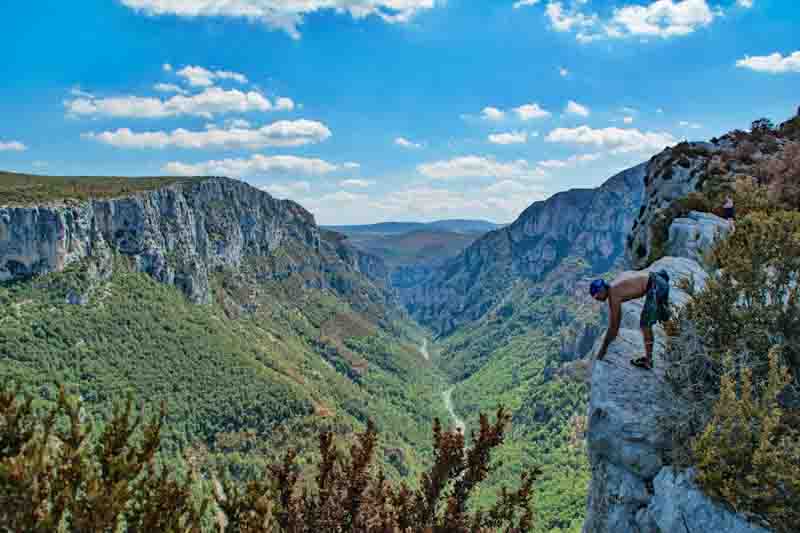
point(694, 235)
point(587, 223)
point(678, 505)
point(178, 234)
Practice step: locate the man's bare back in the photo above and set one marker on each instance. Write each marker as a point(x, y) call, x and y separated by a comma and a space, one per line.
point(627, 286)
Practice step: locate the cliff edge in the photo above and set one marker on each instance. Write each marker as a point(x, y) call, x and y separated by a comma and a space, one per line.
point(633, 487)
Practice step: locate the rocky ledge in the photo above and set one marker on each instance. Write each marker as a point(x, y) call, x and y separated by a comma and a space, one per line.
point(633, 488)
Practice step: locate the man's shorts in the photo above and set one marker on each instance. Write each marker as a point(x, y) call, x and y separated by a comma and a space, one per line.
point(656, 303)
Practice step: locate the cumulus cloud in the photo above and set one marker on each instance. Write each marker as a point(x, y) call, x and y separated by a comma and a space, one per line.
point(492, 113)
point(531, 111)
point(563, 72)
point(512, 137)
point(287, 190)
point(256, 164)
point(286, 15)
point(690, 125)
point(659, 18)
point(524, 3)
point(473, 166)
point(202, 77)
point(284, 133)
point(570, 161)
point(356, 183)
point(167, 88)
point(574, 108)
point(773, 64)
point(405, 143)
point(211, 101)
point(567, 19)
point(12, 146)
point(617, 140)
point(627, 120)
point(745, 3)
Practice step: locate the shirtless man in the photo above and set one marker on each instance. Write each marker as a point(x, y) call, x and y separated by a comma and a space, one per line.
point(629, 286)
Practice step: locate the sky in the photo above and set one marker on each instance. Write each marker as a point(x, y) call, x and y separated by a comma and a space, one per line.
point(374, 110)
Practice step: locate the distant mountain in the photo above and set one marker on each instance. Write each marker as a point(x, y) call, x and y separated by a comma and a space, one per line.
point(387, 228)
point(589, 225)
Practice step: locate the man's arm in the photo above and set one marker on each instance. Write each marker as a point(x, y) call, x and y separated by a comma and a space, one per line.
point(615, 308)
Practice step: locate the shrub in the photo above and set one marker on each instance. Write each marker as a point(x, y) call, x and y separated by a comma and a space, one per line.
point(748, 455)
point(55, 477)
point(727, 349)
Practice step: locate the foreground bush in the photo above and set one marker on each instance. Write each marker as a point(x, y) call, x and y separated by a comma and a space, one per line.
point(749, 454)
point(734, 361)
point(55, 477)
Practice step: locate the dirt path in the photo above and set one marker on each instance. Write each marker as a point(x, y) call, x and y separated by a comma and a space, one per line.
point(448, 402)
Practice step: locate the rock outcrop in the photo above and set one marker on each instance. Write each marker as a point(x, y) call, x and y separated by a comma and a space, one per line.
point(633, 487)
point(179, 234)
point(589, 224)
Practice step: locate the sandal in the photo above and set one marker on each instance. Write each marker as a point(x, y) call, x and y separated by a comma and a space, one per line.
point(642, 362)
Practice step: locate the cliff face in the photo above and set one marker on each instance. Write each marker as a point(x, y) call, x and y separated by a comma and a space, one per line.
point(179, 234)
point(589, 224)
point(633, 489)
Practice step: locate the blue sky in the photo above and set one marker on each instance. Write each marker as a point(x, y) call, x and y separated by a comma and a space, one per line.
point(370, 110)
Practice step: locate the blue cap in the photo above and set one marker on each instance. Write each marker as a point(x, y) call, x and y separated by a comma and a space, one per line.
point(597, 286)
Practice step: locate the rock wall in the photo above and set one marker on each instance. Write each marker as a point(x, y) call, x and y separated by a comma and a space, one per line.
point(178, 234)
point(590, 224)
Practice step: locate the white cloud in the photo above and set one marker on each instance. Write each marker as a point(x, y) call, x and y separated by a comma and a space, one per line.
point(523, 3)
point(256, 164)
point(473, 166)
point(774, 63)
point(566, 20)
point(563, 72)
point(165, 88)
point(284, 133)
point(287, 190)
point(210, 102)
point(615, 139)
point(285, 15)
point(166, 67)
point(531, 111)
point(628, 120)
point(574, 108)
point(357, 183)
point(284, 104)
point(660, 111)
point(570, 161)
point(659, 18)
point(202, 77)
point(492, 113)
point(12, 146)
point(691, 125)
point(513, 137)
point(351, 165)
point(745, 3)
point(663, 18)
point(405, 143)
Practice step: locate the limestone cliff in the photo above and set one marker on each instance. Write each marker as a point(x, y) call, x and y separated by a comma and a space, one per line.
point(181, 234)
point(587, 224)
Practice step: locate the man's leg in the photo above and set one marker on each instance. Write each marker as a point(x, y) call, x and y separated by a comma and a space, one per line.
point(647, 333)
